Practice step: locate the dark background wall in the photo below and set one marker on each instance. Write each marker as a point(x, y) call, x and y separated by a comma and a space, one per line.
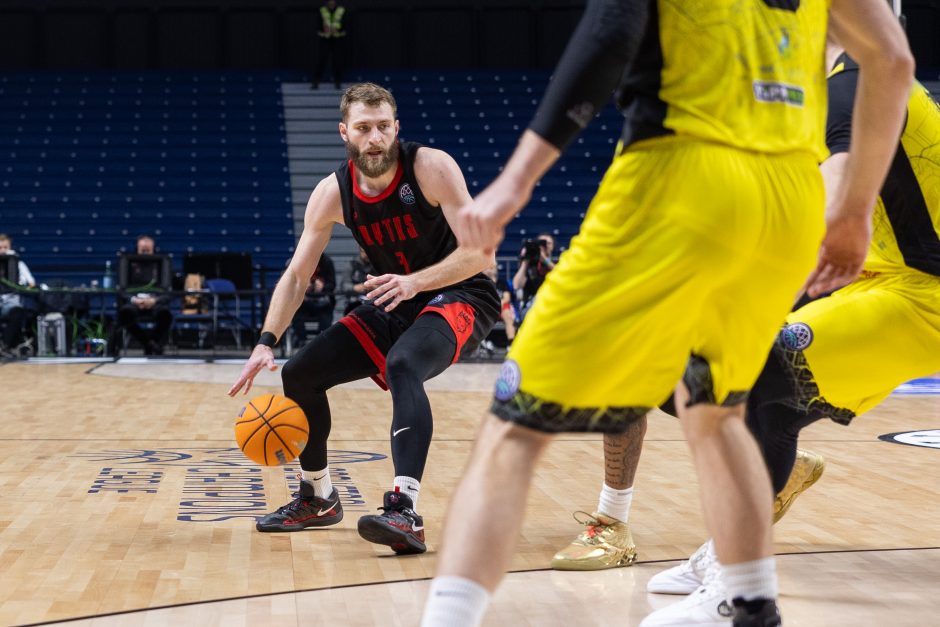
point(262, 34)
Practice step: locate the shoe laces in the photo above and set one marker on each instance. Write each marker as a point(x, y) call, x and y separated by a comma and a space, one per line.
point(712, 579)
point(703, 558)
point(594, 527)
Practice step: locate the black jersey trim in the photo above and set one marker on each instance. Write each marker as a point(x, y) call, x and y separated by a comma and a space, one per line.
point(385, 193)
point(909, 216)
point(638, 96)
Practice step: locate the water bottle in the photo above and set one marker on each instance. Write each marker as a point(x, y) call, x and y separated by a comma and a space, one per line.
point(107, 282)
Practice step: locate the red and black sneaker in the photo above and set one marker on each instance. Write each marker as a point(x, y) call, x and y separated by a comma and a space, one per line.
point(306, 510)
point(398, 526)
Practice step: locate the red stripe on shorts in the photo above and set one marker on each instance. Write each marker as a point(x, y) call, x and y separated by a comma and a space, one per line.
point(365, 340)
point(460, 317)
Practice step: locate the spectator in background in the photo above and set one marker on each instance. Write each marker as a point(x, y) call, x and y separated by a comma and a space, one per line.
point(332, 36)
point(359, 270)
point(507, 311)
point(145, 305)
point(12, 312)
point(319, 300)
point(535, 262)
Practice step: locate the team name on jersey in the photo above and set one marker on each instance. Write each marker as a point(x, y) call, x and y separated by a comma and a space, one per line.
point(395, 229)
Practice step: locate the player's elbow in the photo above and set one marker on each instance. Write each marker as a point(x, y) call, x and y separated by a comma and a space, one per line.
point(892, 64)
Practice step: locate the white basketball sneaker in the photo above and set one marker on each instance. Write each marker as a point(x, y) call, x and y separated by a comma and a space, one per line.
point(707, 606)
point(687, 576)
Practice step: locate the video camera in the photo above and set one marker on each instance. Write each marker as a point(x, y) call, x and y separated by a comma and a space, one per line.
point(532, 249)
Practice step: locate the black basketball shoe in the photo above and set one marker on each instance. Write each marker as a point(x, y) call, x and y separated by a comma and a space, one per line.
point(398, 526)
point(306, 510)
point(757, 613)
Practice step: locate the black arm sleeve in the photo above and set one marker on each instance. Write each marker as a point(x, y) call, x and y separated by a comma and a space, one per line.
point(841, 87)
point(602, 46)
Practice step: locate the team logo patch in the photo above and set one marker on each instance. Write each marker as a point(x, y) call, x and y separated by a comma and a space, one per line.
point(797, 336)
point(507, 384)
point(407, 196)
point(926, 439)
point(436, 299)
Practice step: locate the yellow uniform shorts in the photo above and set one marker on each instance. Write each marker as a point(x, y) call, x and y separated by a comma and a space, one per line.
point(845, 353)
point(688, 248)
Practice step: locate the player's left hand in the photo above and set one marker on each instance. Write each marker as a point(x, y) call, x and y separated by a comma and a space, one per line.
point(841, 254)
point(390, 289)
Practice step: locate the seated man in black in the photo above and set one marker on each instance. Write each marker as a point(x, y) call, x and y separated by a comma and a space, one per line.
point(12, 311)
point(147, 305)
point(319, 300)
point(359, 270)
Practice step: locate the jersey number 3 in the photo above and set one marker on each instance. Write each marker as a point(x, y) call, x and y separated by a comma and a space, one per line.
point(404, 262)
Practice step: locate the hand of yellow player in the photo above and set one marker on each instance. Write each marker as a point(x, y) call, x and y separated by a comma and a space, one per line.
point(841, 254)
point(481, 224)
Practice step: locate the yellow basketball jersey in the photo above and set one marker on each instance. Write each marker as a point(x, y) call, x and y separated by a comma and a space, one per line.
point(906, 223)
point(745, 73)
point(907, 216)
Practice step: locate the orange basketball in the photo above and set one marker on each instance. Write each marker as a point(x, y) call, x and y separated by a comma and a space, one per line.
point(271, 430)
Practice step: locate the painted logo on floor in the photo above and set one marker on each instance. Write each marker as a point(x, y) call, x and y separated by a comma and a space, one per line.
point(926, 386)
point(218, 483)
point(927, 439)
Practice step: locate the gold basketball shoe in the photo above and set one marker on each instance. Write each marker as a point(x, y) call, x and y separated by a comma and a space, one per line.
point(605, 543)
point(807, 470)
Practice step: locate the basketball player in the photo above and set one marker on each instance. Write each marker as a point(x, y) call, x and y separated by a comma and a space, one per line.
point(693, 250)
point(841, 355)
point(429, 305)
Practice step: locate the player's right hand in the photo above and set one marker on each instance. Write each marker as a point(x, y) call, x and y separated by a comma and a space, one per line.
point(261, 357)
point(841, 254)
point(481, 224)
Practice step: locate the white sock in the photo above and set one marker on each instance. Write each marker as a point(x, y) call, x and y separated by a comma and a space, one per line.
point(751, 580)
point(615, 503)
point(409, 486)
point(322, 484)
point(455, 602)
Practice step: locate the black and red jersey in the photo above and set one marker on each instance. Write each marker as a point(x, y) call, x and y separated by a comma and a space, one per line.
point(399, 229)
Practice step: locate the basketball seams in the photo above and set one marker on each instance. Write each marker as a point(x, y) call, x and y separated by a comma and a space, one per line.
point(278, 436)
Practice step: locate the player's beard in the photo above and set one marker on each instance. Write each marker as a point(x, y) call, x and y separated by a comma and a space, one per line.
point(370, 167)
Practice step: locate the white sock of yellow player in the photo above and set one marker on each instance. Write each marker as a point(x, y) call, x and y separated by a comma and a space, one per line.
point(615, 503)
point(409, 486)
point(322, 484)
point(751, 580)
point(455, 602)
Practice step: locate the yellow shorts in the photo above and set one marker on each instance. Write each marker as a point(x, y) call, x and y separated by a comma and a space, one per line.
point(688, 248)
point(850, 350)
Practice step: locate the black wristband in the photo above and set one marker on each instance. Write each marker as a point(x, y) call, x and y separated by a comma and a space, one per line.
point(267, 339)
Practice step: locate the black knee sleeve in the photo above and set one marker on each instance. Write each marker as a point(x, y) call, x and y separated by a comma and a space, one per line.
point(333, 357)
point(425, 350)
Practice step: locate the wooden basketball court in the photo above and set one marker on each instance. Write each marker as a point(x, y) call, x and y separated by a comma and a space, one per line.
point(126, 503)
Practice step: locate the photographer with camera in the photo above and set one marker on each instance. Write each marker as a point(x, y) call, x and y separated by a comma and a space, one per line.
point(535, 262)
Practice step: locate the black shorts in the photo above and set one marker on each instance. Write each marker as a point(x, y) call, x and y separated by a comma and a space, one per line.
point(471, 308)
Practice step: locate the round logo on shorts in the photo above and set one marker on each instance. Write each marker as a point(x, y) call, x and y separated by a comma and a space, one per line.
point(797, 336)
point(507, 384)
point(407, 196)
point(436, 299)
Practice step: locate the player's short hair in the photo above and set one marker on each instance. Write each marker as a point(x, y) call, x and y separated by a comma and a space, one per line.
point(370, 94)
point(5, 238)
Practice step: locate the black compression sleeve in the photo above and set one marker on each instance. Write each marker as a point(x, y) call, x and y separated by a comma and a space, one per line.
point(602, 46)
point(841, 88)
